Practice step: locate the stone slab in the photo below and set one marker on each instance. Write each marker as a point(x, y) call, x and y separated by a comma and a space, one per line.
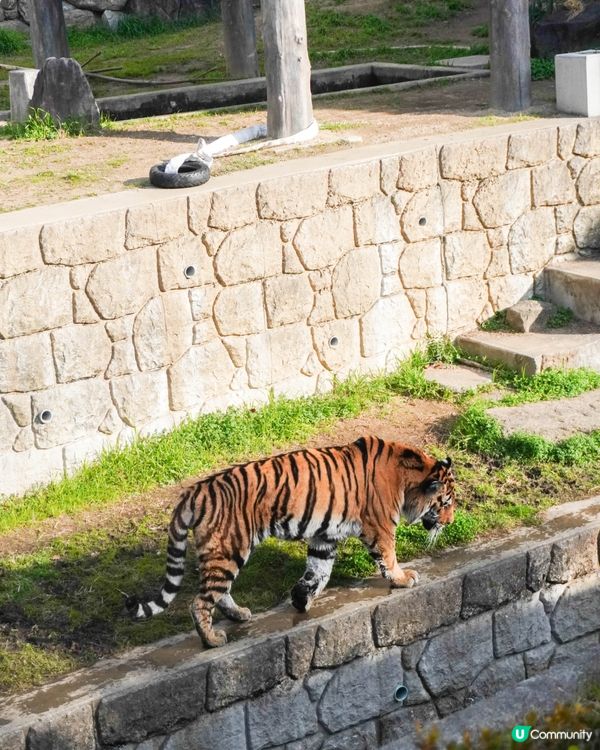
point(458, 378)
point(577, 346)
point(554, 420)
point(477, 62)
point(576, 285)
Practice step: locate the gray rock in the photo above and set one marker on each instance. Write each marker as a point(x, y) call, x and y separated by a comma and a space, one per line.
point(529, 315)
point(416, 691)
point(241, 675)
point(550, 596)
point(498, 675)
point(396, 725)
point(538, 659)
point(452, 702)
point(573, 557)
point(282, 715)
point(112, 18)
point(578, 610)
point(361, 690)
point(82, 19)
point(454, 658)
point(69, 730)
point(300, 650)
point(538, 562)
point(567, 652)
point(363, 737)
point(316, 682)
point(520, 626)
point(224, 729)
point(412, 613)
point(62, 90)
point(313, 742)
point(493, 585)
point(131, 715)
point(12, 739)
point(412, 653)
point(343, 639)
point(99, 5)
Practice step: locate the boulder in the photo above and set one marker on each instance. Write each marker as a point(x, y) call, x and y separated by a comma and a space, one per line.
point(565, 31)
point(62, 90)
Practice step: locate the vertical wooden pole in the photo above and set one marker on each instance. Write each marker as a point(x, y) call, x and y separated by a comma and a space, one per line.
point(510, 62)
point(48, 30)
point(240, 38)
point(289, 103)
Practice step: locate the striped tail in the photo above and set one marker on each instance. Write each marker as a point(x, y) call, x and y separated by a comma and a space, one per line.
point(181, 520)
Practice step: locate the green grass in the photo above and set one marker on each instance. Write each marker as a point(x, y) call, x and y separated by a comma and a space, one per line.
point(542, 68)
point(11, 42)
point(40, 126)
point(496, 323)
point(560, 318)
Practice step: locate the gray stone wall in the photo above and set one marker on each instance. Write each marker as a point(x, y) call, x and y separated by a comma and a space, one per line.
point(129, 313)
point(329, 683)
point(85, 13)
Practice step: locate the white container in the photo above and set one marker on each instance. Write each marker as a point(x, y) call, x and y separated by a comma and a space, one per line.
point(578, 82)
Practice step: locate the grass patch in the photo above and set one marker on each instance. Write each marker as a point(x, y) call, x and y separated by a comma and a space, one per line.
point(546, 385)
point(560, 318)
point(542, 68)
point(39, 126)
point(496, 323)
point(482, 31)
point(11, 42)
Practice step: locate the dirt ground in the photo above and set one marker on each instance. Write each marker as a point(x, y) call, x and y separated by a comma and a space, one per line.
point(38, 173)
point(410, 421)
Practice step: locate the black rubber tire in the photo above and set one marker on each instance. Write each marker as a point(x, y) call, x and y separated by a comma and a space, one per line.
point(191, 174)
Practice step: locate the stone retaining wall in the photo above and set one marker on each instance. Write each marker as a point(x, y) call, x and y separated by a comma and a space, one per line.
point(329, 683)
point(124, 314)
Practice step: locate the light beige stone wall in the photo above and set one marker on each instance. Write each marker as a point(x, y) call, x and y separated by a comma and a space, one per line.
point(125, 314)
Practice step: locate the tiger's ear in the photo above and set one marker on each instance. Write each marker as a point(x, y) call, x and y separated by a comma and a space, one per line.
point(447, 462)
point(411, 460)
point(431, 486)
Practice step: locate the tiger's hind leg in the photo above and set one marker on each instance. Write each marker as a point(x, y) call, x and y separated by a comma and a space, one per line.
point(319, 563)
point(216, 576)
point(233, 611)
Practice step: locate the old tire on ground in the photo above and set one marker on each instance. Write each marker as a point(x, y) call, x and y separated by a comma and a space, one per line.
point(191, 174)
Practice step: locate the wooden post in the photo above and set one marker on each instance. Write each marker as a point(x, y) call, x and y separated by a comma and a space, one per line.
point(287, 67)
point(48, 30)
point(510, 62)
point(240, 38)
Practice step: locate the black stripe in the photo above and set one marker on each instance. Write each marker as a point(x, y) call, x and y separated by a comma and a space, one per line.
point(147, 610)
point(321, 554)
point(173, 570)
point(171, 588)
point(237, 559)
point(175, 551)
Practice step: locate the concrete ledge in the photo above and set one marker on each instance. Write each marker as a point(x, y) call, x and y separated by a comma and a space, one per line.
point(511, 608)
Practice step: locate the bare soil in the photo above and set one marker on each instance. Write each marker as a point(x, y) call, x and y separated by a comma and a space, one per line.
point(411, 421)
point(39, 173)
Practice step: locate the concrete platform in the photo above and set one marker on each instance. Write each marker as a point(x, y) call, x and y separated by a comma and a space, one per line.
point(577, 345)
point(458, 378)
point(475, 62)
point(576, 285)
point(553, 420)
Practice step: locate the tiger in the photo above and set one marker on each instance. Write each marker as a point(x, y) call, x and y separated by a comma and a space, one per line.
point(320, 495)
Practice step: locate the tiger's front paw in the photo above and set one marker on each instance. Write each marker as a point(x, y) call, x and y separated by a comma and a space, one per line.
point(406, 580)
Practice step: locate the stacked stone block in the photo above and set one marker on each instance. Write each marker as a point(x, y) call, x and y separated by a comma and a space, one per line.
point(127, 321)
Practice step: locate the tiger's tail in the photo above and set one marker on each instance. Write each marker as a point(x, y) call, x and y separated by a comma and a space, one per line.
point(181, 520)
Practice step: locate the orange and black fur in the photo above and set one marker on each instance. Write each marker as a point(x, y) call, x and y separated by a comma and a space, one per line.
point(321, 495)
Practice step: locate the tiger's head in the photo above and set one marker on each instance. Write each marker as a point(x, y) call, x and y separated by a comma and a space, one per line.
point(432, 501)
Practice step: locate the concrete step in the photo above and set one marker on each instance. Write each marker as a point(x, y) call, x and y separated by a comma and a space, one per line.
point(576, 285)
point(576, 345)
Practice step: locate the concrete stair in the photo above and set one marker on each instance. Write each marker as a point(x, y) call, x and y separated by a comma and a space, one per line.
point(575, 285)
